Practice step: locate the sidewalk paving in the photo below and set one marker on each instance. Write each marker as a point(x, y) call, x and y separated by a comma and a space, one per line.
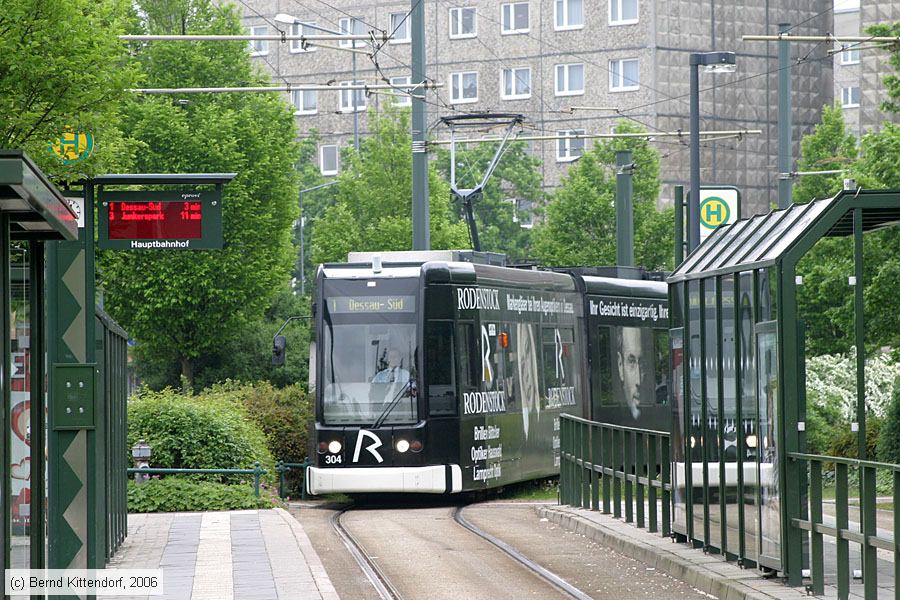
point(243, 555)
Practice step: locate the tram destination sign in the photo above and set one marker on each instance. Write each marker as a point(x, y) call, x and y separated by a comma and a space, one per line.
point(178, 220)
point(371, 304)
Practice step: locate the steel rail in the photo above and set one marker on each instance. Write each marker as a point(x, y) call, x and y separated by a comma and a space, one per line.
point(548, 576)
point(382, 585)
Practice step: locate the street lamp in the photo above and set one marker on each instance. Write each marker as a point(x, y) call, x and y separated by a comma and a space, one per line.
point(291, 20)
point(712, 62)
point(302, 227)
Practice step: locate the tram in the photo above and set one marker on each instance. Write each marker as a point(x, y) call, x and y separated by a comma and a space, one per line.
point(437, 372)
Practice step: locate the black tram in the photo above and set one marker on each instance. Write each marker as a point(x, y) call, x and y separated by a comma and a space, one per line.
point(437, 374)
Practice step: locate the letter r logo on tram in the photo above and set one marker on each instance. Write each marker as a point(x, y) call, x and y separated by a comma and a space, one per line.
point(373, 447)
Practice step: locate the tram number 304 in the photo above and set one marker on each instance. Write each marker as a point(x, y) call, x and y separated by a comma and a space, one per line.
point(332, 459)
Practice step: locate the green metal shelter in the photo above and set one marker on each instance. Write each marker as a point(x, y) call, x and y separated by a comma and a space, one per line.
point(62, 381)
point(741, 483)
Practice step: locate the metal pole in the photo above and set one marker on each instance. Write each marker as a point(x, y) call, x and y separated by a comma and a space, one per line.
point(302, 250)
point(624, 210)
point(420, 210)
point(784, 117)
point(859, 331)
point(679, 225)
point(694, 207)
point(355, 112)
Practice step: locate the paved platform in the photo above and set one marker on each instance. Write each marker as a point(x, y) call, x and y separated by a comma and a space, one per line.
point(708, 573)
point(243, 555)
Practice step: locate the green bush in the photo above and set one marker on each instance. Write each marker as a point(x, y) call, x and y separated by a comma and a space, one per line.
point(284, 415)
point(844, 443)
point(889, 443)
point(207, 431)
point(179, 494)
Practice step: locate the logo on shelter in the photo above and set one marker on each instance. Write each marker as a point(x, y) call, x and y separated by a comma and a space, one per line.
point(73, 146)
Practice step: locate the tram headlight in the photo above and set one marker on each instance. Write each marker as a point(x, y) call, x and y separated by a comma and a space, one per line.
point(401, 446)
point(693, 441)
point(334, 446)
point(751, 440)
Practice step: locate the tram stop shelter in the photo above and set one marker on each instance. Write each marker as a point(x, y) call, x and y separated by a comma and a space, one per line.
point(62, 484)
point(742, 483)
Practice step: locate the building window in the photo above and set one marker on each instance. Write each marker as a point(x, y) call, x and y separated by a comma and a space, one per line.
point(514, 18)
point(523, 212)
point(570, 79)
point(301, 29)
point(353, 100)
point(516, 83)
point(399, 28)
point(353, 26)
point(850, 97)
point(850, 56)
point(305, 102)
point(259, 47)
point(463, 23)
point(328, 159)
point(569, 14)
point(401, 99)
point(569, 148)
point(623, 12)
point(464, 87)
point(624, 75)
point(841, 6)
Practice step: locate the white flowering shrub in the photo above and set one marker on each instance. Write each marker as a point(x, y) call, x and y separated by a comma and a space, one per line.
point(831, 382)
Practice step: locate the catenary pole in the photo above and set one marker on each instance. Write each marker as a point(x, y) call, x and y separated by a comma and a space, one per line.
point(420, 210)
point(784, 117)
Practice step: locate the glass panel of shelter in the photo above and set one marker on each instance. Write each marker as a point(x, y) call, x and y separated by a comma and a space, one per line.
point(20, 421)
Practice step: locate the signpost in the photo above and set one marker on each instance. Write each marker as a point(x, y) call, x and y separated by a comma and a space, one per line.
point(719, 205)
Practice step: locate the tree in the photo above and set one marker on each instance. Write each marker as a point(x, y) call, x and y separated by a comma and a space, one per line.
point(373, 204)
point(183, 306)
point(824, 299)
point(580, 225)
point(62, 66)
point(517, 177)
point(828, 148)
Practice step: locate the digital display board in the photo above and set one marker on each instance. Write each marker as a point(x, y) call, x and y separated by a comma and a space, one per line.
point(371, 304)
point(155, 220)
point(185, 219)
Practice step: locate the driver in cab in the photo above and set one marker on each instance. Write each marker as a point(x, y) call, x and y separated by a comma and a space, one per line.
point(394, 372)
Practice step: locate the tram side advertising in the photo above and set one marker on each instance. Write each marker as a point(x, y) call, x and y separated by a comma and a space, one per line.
point(526, 372)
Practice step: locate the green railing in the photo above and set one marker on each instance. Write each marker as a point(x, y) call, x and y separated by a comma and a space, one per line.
point(256, 471)
point(602, 465)
point(283, 468)
point(866, 532)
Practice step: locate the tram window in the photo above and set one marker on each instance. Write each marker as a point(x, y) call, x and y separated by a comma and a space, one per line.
point(468, 355)
point(439, 368)
point(604, 366)
point(557, 350)
point(661, 365)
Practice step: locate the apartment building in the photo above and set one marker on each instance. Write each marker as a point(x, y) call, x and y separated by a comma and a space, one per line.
point(547, 59)
point(859, 69)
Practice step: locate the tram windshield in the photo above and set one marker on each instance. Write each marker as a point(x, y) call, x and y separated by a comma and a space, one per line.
point(369, 349)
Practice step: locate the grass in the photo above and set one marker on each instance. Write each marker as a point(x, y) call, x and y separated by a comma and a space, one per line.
point(539, 490)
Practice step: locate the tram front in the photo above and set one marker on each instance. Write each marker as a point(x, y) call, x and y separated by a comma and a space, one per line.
point(368, 430)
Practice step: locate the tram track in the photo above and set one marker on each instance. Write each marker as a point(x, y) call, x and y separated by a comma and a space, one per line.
point(370, 569)
point(386, 590)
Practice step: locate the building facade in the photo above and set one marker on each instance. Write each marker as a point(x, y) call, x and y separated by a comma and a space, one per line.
point(549, 59)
